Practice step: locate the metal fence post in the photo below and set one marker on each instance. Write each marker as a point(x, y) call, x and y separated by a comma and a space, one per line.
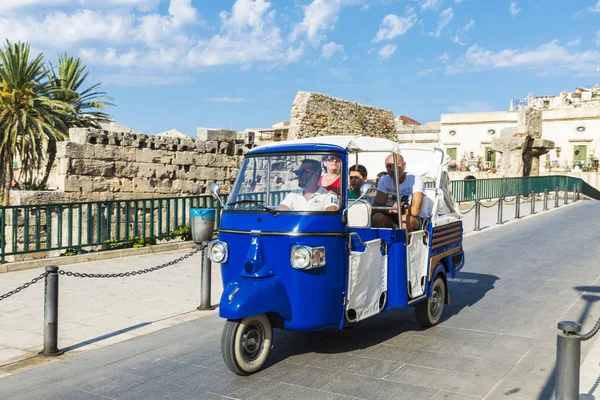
point(568, 354)
point(477, 215)
point(205, 273)
point(545, 199)
point(556, 197)
point(500, 201)
point(518, 206)
point(575, 192)
point(532, 202)
point(567, 194)
point(51, 313)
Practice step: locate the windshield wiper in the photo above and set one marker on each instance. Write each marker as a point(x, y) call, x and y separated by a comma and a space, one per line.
point(257, 202)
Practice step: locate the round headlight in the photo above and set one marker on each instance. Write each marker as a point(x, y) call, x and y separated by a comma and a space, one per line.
point(217, 252)
point(301, 257)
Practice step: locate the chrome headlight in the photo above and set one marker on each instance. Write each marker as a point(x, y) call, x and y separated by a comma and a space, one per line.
point(217, 251)
point(305, 257)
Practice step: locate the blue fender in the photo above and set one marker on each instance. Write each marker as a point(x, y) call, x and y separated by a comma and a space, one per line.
point(250, 296)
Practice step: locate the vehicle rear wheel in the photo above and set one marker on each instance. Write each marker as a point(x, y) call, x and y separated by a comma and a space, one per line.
point(429, 312)
point(246, 344)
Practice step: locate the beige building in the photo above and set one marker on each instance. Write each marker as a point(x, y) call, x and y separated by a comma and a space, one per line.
point(571, 120)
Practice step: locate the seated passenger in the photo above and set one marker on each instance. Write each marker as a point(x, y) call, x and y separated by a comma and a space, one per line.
point(311, 196)
point(410, 185)
point(358, 176)
point(331, 180)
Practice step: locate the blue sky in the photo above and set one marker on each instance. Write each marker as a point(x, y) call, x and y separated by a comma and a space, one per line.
point(238, 64)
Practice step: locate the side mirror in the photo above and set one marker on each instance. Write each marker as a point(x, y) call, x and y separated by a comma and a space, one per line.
point(366, 188)
point(214, 188)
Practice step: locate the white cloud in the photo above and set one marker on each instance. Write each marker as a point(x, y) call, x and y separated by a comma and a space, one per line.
point(461, 33)
point(431, 4)
point(331, 48)
point(471, 106)
point(319, 16)
point(445, 18)
point(514, 10)
point(142, 5)
point(248, 34)
point(425, 72)
point(226, 99)
point(68, 29)
point(549, 59)
point(387, 51)
point(443, 58)
point(573, 43)
point(595, 8)
point(393, 25)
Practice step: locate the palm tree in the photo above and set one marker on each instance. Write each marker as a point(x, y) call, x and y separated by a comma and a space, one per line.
point(87, 106)
point(28, 112)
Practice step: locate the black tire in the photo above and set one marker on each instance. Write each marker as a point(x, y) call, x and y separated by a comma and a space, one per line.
point(429, 312)
point(246, 344)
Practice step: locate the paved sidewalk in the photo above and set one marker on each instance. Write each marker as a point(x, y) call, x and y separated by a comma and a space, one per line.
point(95, 313)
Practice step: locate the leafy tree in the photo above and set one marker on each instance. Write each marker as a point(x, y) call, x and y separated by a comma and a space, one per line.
point(86, 105)
point(29, 114)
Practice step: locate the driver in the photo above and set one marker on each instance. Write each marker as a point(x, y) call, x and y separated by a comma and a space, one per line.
point(410, 185)
point(311, 196)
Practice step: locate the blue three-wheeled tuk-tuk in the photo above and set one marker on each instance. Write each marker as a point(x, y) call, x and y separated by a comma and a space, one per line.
point(321, 267)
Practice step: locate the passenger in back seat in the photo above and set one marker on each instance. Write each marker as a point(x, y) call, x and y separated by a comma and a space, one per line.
point(410, 185)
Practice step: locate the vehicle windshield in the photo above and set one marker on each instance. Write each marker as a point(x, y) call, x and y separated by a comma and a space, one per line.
point(297, 182)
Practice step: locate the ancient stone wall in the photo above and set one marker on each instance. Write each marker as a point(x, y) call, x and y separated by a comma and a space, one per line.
point(315, 114)
point(102, 165)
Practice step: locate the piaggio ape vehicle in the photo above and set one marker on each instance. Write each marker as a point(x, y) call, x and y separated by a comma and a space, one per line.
point(317, 270)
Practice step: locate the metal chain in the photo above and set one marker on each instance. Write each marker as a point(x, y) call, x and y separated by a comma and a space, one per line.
point(469, 210)
point(25, 286)
point(508, 201)
point(491, 205)
point(131, 273)
point(591, 333)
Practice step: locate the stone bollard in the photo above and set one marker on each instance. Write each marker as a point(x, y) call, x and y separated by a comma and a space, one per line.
point(568, 355)
point(205, 273)
point(532, 202)
point(51, 314)
point(567, 194)
point(545, 199)
point(556, 197)
point(500, 219)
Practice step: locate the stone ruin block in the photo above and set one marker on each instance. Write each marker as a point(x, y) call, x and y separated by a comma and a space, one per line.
point(221, 135)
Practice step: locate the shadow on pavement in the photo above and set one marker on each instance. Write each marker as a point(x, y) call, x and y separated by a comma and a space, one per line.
point(590, 298)
point(466, 290)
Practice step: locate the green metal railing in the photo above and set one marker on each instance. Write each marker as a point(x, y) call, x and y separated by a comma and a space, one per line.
point(49, 227)
point(479, 189)
point(54, 227)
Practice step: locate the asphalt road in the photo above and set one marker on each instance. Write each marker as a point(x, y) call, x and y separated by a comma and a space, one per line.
point(497, 339)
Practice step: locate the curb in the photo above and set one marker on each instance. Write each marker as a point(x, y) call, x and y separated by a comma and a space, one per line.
point(95, 256)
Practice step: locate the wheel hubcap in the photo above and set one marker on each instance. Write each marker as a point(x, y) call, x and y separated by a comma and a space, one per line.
point(252, 340)
point(435, 303)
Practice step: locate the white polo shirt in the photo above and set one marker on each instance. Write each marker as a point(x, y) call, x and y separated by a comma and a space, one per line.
point(318, 201)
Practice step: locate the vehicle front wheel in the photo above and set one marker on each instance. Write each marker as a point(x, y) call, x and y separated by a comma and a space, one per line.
point(246, 344)
point(429, 312)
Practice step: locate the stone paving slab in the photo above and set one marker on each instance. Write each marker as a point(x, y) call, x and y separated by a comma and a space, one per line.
point(497, 339)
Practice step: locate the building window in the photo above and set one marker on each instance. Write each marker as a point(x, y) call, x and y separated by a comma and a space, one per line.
point(451, 151)
point(581, 129)
point(452, 133)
